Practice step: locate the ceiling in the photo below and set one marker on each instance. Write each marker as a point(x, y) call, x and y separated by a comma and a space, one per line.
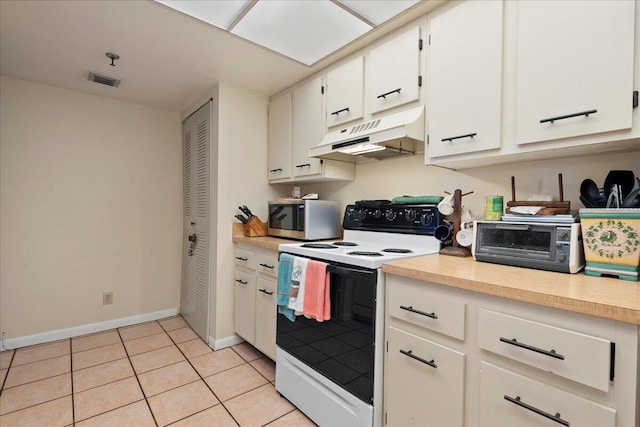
point(167, 59)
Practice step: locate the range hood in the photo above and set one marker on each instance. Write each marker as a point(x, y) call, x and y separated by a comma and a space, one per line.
point(382, 138)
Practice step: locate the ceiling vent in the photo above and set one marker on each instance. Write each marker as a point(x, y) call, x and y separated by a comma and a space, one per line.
point(103, 80)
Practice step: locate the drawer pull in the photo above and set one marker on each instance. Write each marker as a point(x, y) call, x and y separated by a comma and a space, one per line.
point(420, 359)
point(568, 116)
point(242, 282)
point(276, 170)
point(337, 113)
point(266, 266)
point(305, 165)
point(264, 291)
point(520, 403)
point(239, 258)
point(550, 353)
point(384, 95)
point(451, 138)
point(413, 310)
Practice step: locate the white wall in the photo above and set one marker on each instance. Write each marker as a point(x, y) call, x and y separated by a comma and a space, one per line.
point(91, 201)
point(409, 176)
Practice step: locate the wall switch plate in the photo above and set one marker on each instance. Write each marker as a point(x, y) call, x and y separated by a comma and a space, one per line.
point(107, 298)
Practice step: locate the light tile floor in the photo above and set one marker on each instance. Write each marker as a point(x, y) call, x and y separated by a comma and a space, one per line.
point(152, 374)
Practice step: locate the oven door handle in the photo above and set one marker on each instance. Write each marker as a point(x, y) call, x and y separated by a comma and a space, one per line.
point(347, 270)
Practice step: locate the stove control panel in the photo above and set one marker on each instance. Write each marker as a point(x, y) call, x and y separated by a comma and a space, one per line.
point(410, 219)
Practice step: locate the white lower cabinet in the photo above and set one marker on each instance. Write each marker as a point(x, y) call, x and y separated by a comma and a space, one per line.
point(256, 291)
point(425, 382)
point(501, 362)
point(508, 399)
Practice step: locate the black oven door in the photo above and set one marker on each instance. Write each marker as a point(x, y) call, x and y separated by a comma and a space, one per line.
point(342, 348)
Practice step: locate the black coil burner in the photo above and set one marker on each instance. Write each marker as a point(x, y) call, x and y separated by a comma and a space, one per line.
point(343, 243)
point(364, 253)
point(397, 251)
point(319, 246)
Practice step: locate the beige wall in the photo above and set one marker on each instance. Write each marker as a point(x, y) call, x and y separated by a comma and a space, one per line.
point(396, 177)
point(91, 201)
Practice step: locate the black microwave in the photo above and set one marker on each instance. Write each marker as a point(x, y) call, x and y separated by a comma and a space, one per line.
point(304, 219)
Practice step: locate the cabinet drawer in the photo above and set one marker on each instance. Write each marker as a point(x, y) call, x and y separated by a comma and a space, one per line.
point(246, 258)
point(266, 312)
point(415, 305)
point(509, 399)
point(569, 354)
point(268, 264)
point(245, 306)
point(425, 382)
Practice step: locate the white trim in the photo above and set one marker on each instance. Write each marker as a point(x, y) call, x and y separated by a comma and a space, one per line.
point(224, 342)
point(90, 328)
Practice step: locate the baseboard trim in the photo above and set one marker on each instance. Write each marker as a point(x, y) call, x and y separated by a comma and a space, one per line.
point(224, 342)
point(90, 328)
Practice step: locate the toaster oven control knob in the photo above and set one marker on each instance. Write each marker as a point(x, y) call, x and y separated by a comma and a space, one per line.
point(562, 256)
point(378, 213)
point(563, 235)
point(426, 218)
point(390, 215)
point(411, 214)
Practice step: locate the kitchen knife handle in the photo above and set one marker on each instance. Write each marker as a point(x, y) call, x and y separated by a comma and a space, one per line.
point(520, 403)
point(384, 95)
point(419, 359)
point(550, 353)
point(568, 116)
point(451, 138)
point(422, 313)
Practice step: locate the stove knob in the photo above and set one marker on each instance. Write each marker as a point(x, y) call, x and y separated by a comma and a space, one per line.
point(390, 215)
point(378, 213)
point(351, 215)
point(361, 214)
point(426, 218)
point(411, 214)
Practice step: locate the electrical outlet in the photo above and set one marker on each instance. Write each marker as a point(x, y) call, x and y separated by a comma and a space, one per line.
point(107, 298)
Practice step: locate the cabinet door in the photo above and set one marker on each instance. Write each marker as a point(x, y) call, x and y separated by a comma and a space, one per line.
point(464, 66)
point(308, 127)
point(424, 382)
point(245, 305)
point(280, 137)
point(393, 72)
point(509, 399)
point(345, 92)
point(574, 59)
point(267, 291)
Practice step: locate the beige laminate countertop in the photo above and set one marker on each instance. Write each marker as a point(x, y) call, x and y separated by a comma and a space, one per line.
point(610, 298)
point(266, 242)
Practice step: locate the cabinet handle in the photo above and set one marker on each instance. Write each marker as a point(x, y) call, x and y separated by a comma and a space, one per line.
point(520, 403)
point(384, 95)
point(266, 266)
point(420, 359)
point(264, 291)
point(568, 116)
point(276, 170)
point(413, 310)
point(337, 113)
point(306, 165)
point(469, 135)
point(242, 259)
point(550, 353)
point(242, 282)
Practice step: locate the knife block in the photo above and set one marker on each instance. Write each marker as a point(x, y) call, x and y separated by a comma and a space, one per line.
point(255, 228)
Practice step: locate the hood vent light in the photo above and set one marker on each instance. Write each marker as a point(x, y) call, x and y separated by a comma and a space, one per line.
point(103, 80)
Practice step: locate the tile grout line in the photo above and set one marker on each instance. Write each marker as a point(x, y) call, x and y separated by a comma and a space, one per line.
point(138, 379)
point(73, 396)
point(7, 375)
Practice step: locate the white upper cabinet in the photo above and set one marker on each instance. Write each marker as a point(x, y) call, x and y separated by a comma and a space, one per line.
point(574, 68)
point(308, 126)
point(393, 72)
point(464, 72)
point(280, 137)
point(345, 92)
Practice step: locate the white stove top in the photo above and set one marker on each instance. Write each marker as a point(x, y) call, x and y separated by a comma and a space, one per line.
point(368, 241)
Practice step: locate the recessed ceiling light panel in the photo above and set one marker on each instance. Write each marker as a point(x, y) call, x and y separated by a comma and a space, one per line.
point(220, 13)
point(378, 11)
point(306, 31)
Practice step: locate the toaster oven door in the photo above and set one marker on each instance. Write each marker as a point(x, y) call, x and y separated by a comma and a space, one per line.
point(530, 241)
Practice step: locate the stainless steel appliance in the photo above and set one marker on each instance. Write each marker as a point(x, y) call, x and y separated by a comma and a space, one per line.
point(544, 246)
point(332, 370)
point(304, 219)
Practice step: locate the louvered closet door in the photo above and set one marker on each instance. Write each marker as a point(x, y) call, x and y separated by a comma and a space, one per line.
point(194, 298)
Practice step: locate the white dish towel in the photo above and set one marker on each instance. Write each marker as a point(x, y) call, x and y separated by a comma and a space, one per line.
point(296, 295)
